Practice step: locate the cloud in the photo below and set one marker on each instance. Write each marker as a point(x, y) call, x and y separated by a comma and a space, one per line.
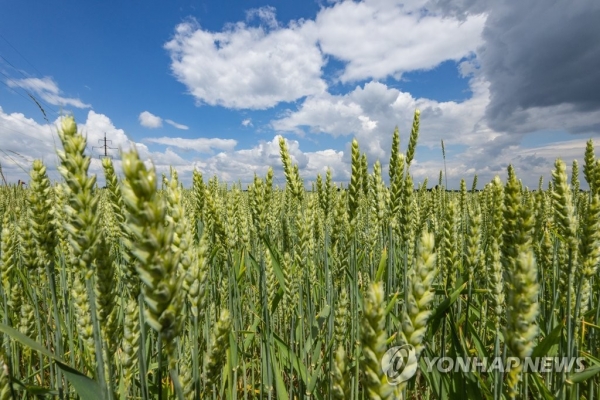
point(24, 140)
point(377, 39)
point(460, 9)
point(555, 66)
point(30, 140)
point(150, 120)
point(265, 15)
point(201, 145)
point(532, 71)
point(538, 60)
point(252, 67)
point(48, 90)
point(244, 163)
point(96, 125)
point(528, 64)
point(534, 56)
point(530, 164)
point(372, 111)
point(247, 67)
point(176, 125)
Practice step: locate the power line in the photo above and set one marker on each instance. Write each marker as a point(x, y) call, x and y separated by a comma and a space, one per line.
point(26, 77)
point(31, 96)
point(22, 156)
point(21, 72)
point(19, 53)
point(28, 93)
point(13, 160)
point(25, 134)
point(13, 89)
point(49, 126)
point(28, 159)
point(11, 64)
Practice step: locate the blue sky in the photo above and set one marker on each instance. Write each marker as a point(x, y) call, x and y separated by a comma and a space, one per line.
point(210, 85)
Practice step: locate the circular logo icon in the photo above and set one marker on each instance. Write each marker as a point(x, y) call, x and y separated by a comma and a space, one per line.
point(399, 364)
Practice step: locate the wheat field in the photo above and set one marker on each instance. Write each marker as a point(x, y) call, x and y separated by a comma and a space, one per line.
point(144, 289)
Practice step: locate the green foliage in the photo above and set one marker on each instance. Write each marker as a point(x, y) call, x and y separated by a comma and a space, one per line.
point(285, 293)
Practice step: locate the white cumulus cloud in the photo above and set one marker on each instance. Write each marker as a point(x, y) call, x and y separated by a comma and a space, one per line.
point(256, 67)
point(150, 120)
point(23, 140)
point(371, 112)
point(247, 67)
point(377, 39)
point(202, 145)
point(242, 164)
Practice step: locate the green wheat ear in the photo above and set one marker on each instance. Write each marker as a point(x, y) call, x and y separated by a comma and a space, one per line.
point(6, 389)
point(293, 181)
point(218, 347)
point(414, 135)
point(355, 182)
point(393, 170)
point(341, 386)
point(420, 294)
point(151, 240)
point(522, 311)
point(82, 204)
point(589, 166)
point(8, 263)
point(373, 341)
point(40, 213)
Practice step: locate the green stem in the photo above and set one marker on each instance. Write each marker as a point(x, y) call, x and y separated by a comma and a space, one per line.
point(97, 340)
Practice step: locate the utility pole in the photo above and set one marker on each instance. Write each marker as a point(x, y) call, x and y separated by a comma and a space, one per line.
point(105, 146)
